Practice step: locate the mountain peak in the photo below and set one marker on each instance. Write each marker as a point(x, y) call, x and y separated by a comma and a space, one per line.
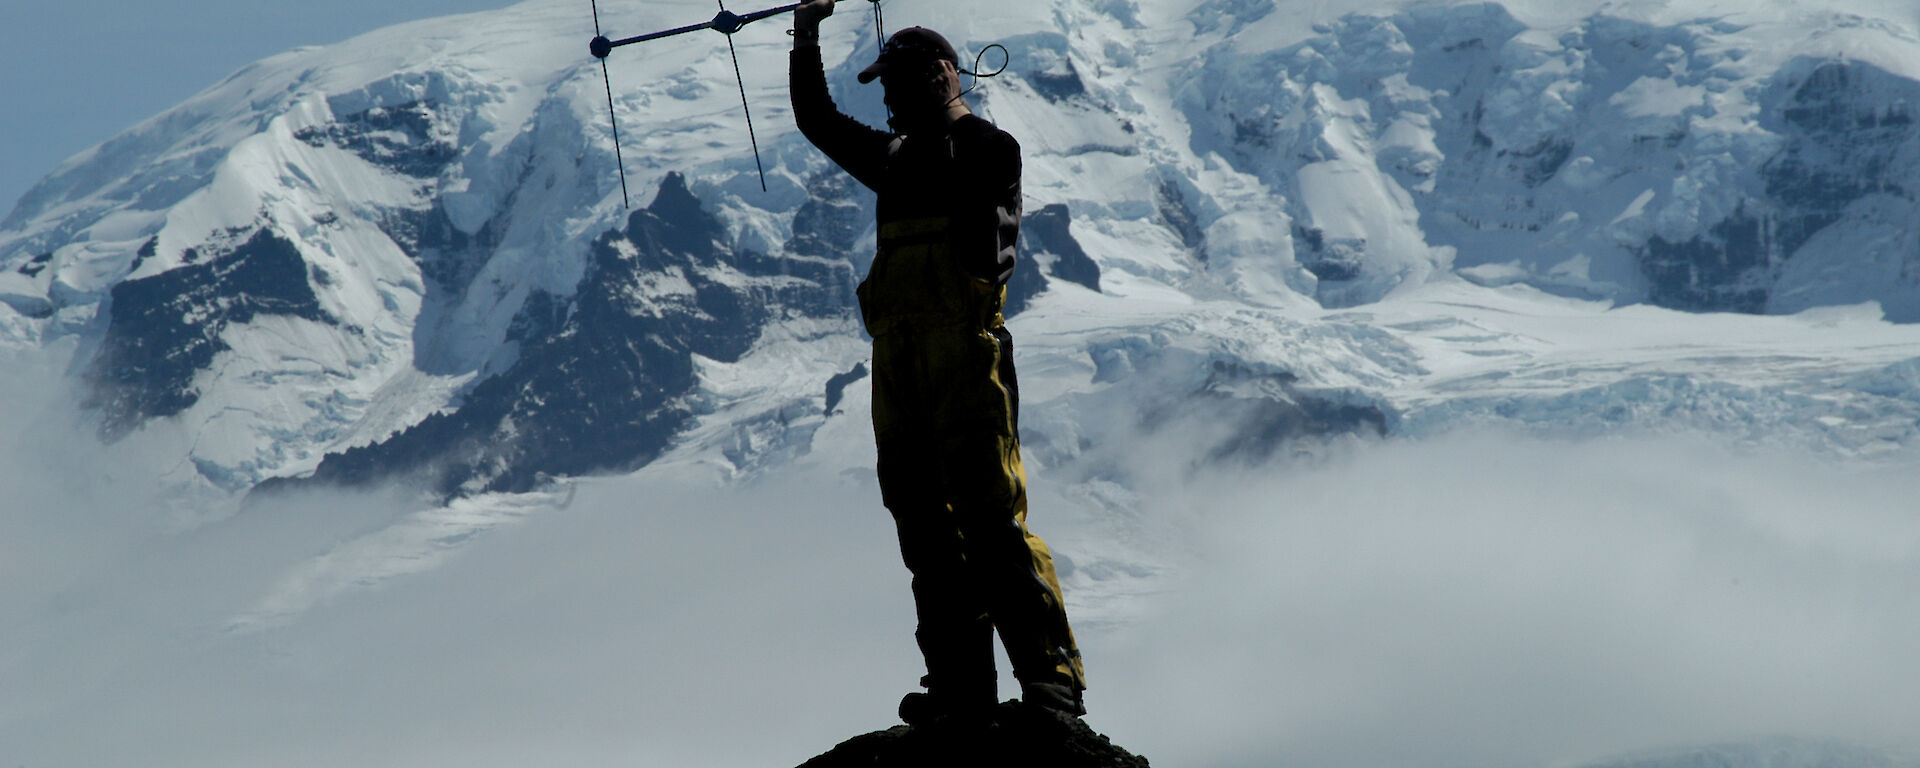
point(674, 198)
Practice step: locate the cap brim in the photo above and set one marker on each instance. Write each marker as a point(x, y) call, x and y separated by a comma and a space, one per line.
point(872, 71)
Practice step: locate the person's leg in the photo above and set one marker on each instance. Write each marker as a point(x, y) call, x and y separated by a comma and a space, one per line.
point(986, 484)
point(1018, 583)
point(954, 634)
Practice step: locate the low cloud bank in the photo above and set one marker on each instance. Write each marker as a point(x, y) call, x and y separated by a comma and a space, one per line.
point(1506, 602)
point(1463, 601)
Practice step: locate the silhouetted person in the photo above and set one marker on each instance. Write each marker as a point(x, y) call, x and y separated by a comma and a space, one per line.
point(945, 400)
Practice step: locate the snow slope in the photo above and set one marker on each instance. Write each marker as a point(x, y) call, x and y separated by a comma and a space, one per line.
point(1238, 163)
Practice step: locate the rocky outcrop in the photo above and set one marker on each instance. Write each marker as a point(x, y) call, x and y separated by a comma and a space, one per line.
point(1016, 735)
point(1048, 251)
point(166, 329)
point(604, 377)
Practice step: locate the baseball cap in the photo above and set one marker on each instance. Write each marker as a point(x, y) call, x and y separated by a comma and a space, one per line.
point(909, 46)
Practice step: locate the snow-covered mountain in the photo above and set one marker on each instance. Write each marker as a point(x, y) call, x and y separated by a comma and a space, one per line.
point(405, 256)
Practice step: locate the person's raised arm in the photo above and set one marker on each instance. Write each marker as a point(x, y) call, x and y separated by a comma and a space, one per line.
point(860, 150)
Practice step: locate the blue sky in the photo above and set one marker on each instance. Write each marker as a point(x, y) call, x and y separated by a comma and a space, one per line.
point(74, 73)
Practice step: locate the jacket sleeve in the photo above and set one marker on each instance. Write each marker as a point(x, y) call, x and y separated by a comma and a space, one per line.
point(994, 202)
point(858, 149)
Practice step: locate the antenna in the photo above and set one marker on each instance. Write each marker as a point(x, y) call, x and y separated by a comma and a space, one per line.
point(743, 100)
point(725, 22)
point(601, 53)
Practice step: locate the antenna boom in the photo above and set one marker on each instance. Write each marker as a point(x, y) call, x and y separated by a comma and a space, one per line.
point(725, 22)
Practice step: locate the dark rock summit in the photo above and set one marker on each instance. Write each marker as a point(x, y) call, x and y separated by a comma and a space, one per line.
point(1017, 735)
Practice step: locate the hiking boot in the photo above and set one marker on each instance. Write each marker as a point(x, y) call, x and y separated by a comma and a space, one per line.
point(920, 708)
point(1056, 697)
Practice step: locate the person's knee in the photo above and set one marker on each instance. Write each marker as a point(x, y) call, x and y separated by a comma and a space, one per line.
point(996, 548)
point(910, 479)
point(983, 474)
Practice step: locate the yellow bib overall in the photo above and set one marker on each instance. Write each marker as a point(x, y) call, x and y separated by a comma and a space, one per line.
point(945, 405)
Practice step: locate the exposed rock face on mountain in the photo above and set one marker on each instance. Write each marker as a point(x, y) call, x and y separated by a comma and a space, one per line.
point(1016, 736)
point(166, 329)
point(1045, 239)
point(604, 379)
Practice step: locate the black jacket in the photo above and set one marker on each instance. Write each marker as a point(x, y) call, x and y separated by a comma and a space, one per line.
point(971, 172)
